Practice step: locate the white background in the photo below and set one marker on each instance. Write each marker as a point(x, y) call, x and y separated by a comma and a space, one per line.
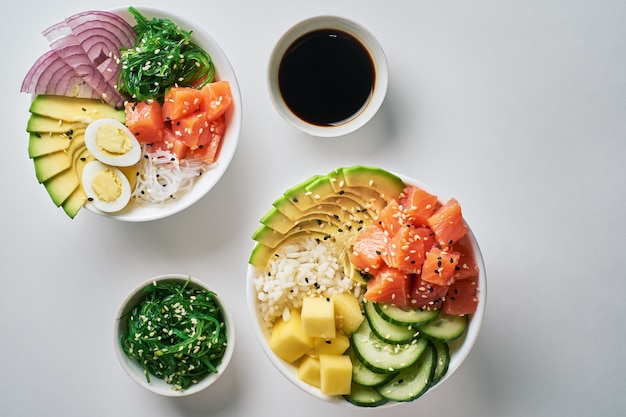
point(516, 108)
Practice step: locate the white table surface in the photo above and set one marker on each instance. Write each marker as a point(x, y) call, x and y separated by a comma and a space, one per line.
point(518, 109)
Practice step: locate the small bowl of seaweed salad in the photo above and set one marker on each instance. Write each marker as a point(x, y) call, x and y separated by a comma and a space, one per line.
point(173, 335)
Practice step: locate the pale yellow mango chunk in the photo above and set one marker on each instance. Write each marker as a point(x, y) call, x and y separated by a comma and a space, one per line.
point(348, 314)
point(318, 317)
point(335, 374)
point(309, 371)
point(335, 346)
point(288, 340)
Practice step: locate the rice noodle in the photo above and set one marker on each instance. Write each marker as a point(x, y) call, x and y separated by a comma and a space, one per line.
point(163, 178)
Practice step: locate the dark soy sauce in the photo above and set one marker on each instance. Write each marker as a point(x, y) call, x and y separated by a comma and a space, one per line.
point(326, 77)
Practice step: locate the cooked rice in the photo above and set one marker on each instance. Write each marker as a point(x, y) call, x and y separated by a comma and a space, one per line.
point(303, 268)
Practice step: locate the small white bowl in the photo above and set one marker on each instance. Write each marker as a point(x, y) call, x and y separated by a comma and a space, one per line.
point(135, 212)
point(134, 369)
point(459, 349)
point(376, 53)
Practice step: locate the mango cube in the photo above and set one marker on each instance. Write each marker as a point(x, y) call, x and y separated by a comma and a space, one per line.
point(318, 317)
point(335, 346)
point(348, 314)
point(309, 371)
point(287, 339)
point(335, 374)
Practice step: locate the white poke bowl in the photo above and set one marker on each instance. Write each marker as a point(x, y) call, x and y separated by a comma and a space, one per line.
point(135, 370)
point(136, 212)
point(459, 349)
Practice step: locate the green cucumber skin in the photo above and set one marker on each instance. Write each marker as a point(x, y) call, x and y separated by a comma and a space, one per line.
point(363, 337)
point(365, 377)
point(395, 315)
point(442, 358)
point(386, 331)
point(445, 328)
point(413, 382)
point(365, 396)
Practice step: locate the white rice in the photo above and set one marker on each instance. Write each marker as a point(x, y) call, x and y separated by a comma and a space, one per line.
point(303, 268)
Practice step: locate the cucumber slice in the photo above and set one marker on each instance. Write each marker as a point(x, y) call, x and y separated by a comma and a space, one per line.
point(389, 332)
point(445, 328)
point(396, 315)
point(412, 382)
point(364, 376)
point(442, 353)
point(365, 396)
point(380, 356)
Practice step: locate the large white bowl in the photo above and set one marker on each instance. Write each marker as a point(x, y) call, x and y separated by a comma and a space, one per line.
point(459, 349)
point(135, 212)
point(134, 369)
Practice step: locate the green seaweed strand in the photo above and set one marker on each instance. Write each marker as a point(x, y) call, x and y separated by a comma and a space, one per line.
point(177, 333)
point(163, 56)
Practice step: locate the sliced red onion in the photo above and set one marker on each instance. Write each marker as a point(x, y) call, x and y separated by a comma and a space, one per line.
point(52, 75)
point(102, 34)
point(84, 59)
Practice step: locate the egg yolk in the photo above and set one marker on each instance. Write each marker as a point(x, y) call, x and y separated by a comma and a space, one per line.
point(113, 140)
point(107, 185)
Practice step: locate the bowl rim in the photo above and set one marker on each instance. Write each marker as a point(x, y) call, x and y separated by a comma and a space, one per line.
point(224, 69)
point(459, 349)
point(369, 41)
point(134, 370)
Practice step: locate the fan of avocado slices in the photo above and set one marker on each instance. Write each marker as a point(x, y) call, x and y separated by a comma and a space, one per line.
point(56, 145)
point(333, 206)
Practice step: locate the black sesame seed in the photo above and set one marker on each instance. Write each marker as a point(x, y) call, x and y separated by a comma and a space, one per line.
point(90, 199)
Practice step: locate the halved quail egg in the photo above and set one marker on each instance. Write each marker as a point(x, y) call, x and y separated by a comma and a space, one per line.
point(107, 188)
point(112, 143)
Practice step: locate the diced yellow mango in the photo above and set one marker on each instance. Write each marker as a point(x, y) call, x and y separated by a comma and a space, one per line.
point(318, 317)
point(335, 346)
point(348, 314)
point(335, 374)
point(287, 339)
point(309, 371)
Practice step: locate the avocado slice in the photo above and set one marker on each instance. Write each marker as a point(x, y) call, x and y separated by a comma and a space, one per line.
point(75, 202)
point(336, 205)
point(62, 186)
point(387, 184)
point(39, 123)
point(49, 165)
point(40, 143)
point(74, 109)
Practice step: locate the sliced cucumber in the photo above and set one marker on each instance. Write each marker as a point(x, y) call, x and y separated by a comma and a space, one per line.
point(365, 396)
point(396, 315)
point(364, 376)
point(442, 353)
point(380, 356)
point(445, 328)
point(389, 332)
point(412, 382)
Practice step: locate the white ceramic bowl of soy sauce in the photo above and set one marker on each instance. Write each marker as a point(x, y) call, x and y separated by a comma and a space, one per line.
point(327, 76)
